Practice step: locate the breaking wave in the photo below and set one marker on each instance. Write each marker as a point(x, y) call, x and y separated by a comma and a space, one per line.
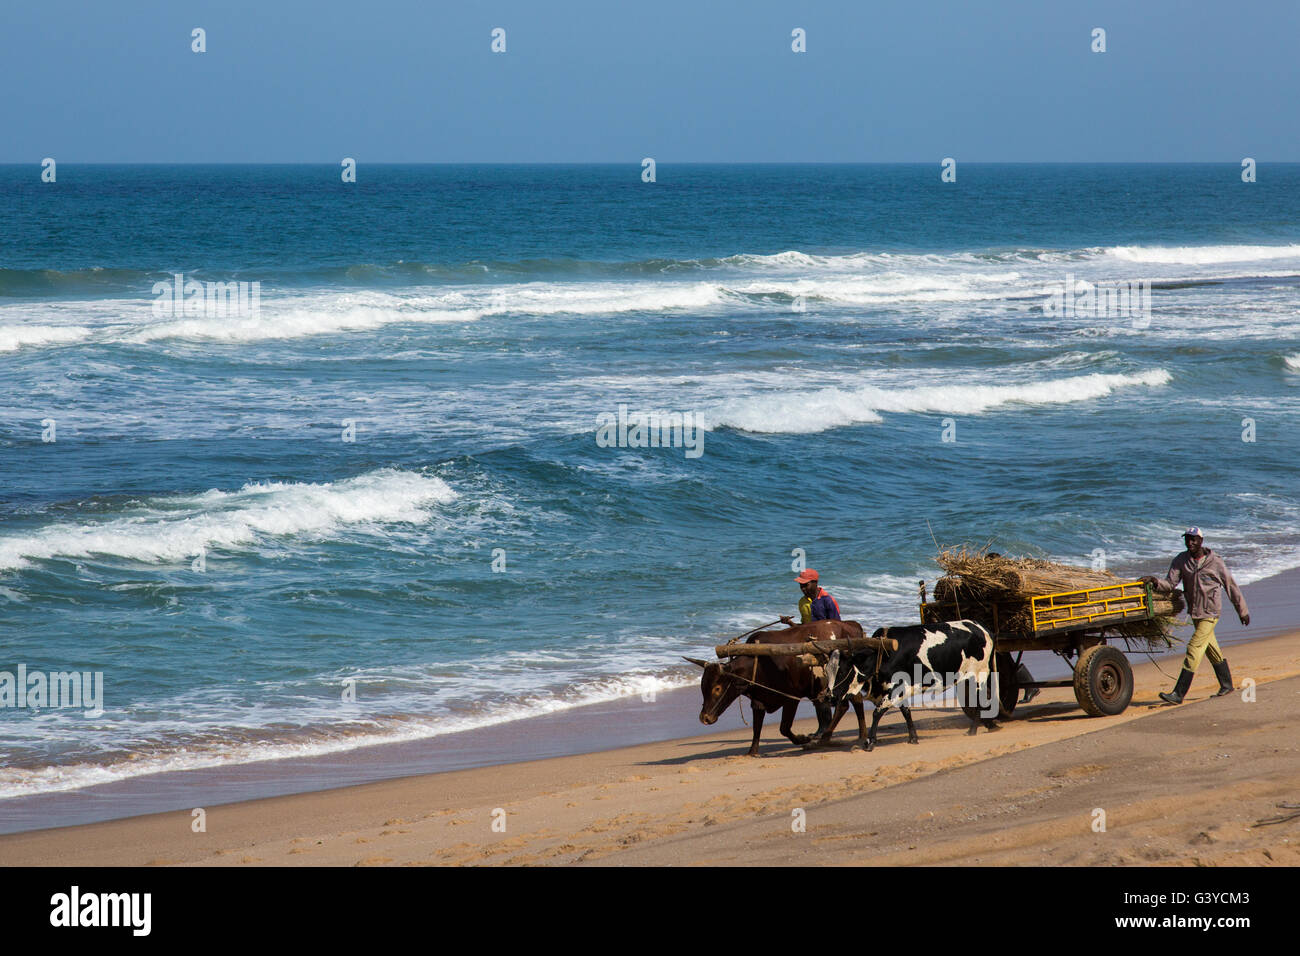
point(178, 528)
point(808, 412)
point(358, 312)
point(14, 337)
point(1202, 255)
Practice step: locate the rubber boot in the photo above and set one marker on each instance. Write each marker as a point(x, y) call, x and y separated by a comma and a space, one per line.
point(1024, 677)
point(1180, 688)
point(1225, 678)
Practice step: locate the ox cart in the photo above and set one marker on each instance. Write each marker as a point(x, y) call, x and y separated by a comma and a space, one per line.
point(1080, 626)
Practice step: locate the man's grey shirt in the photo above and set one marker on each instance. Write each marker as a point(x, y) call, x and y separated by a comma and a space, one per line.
point(1204, 582)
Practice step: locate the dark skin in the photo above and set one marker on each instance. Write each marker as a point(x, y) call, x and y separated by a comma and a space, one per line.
point(1195, 546)
point(810, 589)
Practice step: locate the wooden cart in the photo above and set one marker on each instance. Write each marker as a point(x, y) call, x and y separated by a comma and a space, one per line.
point(1078, 626)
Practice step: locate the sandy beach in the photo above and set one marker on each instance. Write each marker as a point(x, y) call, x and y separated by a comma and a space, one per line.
point(1177, 785)
point(408, 415)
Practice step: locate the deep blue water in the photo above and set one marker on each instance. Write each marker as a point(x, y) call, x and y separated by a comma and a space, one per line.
point(829, 323)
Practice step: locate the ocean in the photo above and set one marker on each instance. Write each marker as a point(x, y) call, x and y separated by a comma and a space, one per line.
point(378, 506)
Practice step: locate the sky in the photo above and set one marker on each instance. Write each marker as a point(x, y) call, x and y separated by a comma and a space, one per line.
point(677, 80)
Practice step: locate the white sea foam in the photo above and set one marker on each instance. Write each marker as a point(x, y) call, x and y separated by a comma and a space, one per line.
point(1202, 255)
point(331, 313)
point(866, 279)
point(1292, 361)
point(854, 262)
point(880, 599)
point(176, 529)
point(365, 731)
point(802, 412)
point(14, 337)
point(293, 324)
point(598, 298)
point(893, 287)
point(1263, 541)
point(1260, 562)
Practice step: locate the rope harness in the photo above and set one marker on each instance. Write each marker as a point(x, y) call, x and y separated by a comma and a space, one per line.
point(755, 683)
point(1172, 641)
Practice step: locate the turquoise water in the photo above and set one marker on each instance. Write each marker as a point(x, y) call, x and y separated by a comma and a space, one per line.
point(829, 324)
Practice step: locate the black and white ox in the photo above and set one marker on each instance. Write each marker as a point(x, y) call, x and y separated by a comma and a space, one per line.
point(955, 654)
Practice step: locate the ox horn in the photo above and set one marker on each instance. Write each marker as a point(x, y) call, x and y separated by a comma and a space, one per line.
point(696, 661)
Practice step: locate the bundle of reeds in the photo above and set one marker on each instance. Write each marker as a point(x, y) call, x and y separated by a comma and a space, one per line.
point(997, 591)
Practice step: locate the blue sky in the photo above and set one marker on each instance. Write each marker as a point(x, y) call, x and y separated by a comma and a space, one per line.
point(679, 80)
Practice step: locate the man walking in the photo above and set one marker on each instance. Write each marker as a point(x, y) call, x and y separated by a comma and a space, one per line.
point(1204, 578)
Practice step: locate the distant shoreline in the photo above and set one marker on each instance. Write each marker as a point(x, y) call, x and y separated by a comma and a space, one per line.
point(580, 731)
point(332, 163)
point(1025, 794)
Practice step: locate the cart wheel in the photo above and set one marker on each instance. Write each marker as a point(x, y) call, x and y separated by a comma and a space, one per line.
point(1103, 681)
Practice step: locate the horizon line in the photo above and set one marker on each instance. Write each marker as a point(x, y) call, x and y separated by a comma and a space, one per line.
point(638, 162)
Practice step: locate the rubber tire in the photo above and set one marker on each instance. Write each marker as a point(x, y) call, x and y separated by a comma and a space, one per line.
point(1103, 681)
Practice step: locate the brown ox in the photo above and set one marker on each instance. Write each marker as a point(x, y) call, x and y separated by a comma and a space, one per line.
point(773, 683)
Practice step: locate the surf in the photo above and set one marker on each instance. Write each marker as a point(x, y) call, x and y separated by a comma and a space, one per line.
point(800, 412)
point(179, 528)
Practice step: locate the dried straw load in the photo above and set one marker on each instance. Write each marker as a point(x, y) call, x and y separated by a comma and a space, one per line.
point(995, 590)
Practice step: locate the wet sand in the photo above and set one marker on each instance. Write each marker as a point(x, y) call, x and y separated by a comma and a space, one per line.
point(1178, 785)
point(669, 716)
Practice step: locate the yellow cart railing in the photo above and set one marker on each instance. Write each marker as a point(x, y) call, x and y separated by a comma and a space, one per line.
point(1062, 611)
point(1128, 601)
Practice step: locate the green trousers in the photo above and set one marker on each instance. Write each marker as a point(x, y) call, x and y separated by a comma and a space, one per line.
point(1202, 644)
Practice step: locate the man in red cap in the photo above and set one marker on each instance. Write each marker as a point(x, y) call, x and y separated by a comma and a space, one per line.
point(816, 603)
